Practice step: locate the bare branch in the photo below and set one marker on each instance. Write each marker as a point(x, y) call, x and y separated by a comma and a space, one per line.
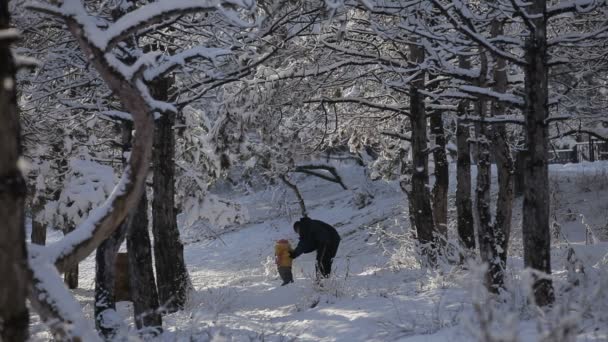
point(363, 102)
point(309, 169)
point(297, 192)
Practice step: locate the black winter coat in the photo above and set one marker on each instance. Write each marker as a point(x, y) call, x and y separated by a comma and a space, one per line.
point(314, 234)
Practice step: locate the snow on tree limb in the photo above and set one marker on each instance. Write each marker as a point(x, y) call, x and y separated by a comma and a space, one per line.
point(55, 304)
point(487, 92)
point(167, 64)
point(467, 28)
point(131, 22)
point(581, 6)
point(78, 244)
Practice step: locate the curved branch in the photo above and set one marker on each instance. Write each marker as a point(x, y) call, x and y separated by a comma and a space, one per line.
point(297, 192)
point(579, 131)
point(310, 170)
point(101, 222)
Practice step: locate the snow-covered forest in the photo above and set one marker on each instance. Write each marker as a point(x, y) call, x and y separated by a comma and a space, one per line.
point(155, 154)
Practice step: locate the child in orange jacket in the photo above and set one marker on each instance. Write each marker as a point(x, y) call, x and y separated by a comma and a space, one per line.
point(283, 260)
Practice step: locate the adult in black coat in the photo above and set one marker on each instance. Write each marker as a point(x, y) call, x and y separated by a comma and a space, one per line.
point(320, 236)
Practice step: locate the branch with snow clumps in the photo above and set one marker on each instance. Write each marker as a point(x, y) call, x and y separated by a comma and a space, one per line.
point(135, 20)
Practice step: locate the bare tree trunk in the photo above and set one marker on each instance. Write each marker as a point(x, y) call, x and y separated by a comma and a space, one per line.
point(520, 164)
point(504, 202)
point(70, 276)
point(105, 258)
point(419, 196)
point(442, 178)
point(535, 225)
point(505, 167)
point(486, 230)
point(38, 235)
point(171, 272)
point(14, 317)
point(487, 234)
point(464, 206)
point(105, 277)
point(141, 272)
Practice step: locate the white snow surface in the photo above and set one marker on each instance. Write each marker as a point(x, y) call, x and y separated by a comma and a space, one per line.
point(378, 292)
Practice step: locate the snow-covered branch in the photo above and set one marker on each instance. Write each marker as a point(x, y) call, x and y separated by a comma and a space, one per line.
point(78, 244)
point(364, 102)
point(511, 99)
point(168, 63)
point(467, 28)
point(580, 6)
point(55, 304)
point(133, 21)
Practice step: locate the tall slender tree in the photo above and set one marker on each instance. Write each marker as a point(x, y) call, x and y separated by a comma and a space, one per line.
point(14, 316)
point(172, 274)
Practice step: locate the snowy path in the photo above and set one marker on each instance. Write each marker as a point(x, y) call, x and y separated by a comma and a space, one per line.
point(238, 296)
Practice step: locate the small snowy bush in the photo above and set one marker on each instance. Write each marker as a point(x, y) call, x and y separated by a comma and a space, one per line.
point(270, 268)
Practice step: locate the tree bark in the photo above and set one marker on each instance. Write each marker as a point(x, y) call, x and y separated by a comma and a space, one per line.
point(105, 258)
point(520, 164)
point(171, 272)
point(105, 276)
point(505, 168)
point(487, 234)
point(141, 272)
point(442, 178)
point(535, 225)
point(486, 230)
point(464, 206)
point(38, 235)
point(70, 276)
point(419, 196)
point(14, 317)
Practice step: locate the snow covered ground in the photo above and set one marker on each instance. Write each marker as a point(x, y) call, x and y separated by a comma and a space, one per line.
point(378, 291)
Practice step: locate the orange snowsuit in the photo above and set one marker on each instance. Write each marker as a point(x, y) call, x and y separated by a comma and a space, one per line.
point(281, 253)
point(283, 261)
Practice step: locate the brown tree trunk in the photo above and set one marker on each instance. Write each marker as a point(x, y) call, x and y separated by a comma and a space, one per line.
point(141, 272)
point(14, 317)
point(419, 196)
point(535, 225)
point(171, 272)
point(70, 277)
point(464, 206)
